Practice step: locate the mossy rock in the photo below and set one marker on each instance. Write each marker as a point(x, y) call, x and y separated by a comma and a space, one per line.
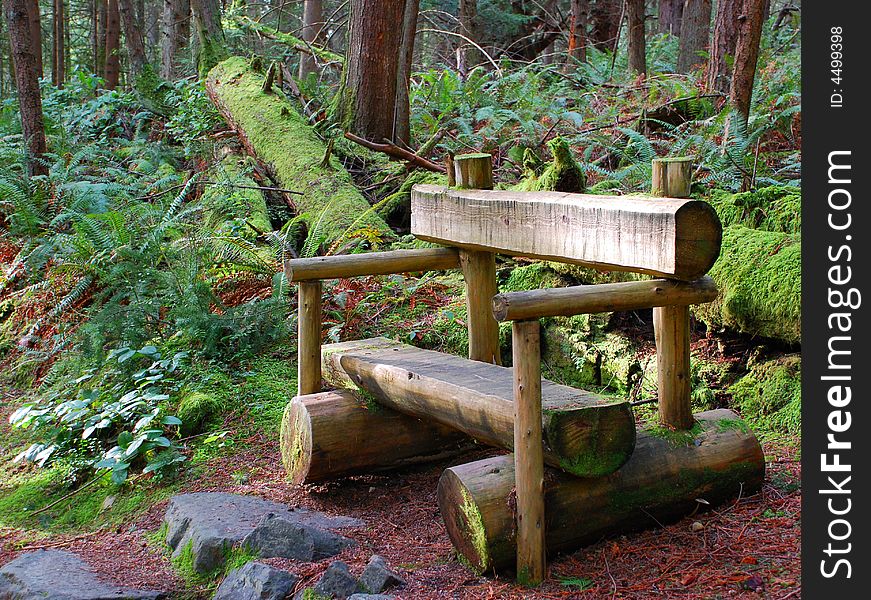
point(563, 174)
point(198, 411)
point(769, 396)
point(758, 274)
point(535, 276)
point(335, 208)
point(772, 208)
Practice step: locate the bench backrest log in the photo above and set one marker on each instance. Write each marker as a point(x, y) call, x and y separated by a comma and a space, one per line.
point(669, 237)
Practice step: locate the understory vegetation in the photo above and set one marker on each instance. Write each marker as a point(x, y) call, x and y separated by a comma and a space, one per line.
point(146, 325)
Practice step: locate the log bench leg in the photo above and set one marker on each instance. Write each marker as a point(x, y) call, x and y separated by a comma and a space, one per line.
point(309, 340)
point(671, 326)
point(479, 271)
point(528, 458)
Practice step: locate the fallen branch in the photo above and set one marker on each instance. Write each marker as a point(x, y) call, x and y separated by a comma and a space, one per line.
point(397, 152)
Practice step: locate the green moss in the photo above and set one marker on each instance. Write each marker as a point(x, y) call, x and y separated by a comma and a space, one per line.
point(282, 138)
point(535, 276)
point(676, 437)
point(758, 274)
point(100, 503)
point(234, 209)
point(474, 523)
point(270, 383)
point(733, 424)
point(248, 23)
point(199, 411)
point(311, 594)
point(397, 206)
point(563, 174)
point(773, 208)
point(769, 396)
point(606, 186)
point(234, 557)
point(473, 155)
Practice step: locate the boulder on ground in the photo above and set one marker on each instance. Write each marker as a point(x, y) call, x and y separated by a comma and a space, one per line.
point(256, 581)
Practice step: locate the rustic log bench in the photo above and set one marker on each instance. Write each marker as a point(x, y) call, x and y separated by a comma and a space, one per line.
point(429, 396)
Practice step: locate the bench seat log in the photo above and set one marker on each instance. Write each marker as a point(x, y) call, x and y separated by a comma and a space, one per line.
point(584, 434)
point(335, 434)
point(606, 297)
point(669, 237)
point(371, 263)
point(661, 482)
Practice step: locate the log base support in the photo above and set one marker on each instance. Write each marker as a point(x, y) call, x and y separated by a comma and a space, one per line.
point(717, 460)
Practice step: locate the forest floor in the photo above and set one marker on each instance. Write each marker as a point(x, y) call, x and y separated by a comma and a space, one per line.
point(747, 548)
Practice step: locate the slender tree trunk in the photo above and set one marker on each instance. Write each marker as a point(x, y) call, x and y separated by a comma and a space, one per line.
point(577, 50)
point(24, 50)
point(211, 48)
point(366, 103)
point(670, 14)
point(133, 36)
point(694, 33)
point(175, 34)
point(113, 44)
point(153, 11)
point(312, 24)
point(604, 22)
point(467, 16)
point(102, 18)
point(58, 54)
point(746, 55)
point(717, 76)
point(35, 32)
point(637, 43)
point(403, 74)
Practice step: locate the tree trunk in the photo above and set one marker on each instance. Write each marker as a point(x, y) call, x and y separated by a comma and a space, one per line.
point(467, 17)
point(153, 10)
point(717, 77)
point(670, 14)
point(577, 50)
point(35, 33)
point(366, 102)
point(210, 35)
point(24, 56)
point(58, 54)
point(113, 44)
point(694, 33)
point(403, 74)
point(175, 33)
point(637, 44)
point(746, 55)
point(312, 23)
point(135, 44)
point(605, 22)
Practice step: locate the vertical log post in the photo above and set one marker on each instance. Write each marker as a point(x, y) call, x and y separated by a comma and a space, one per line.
point(671, 326)
point(528, 456)
point(672, 177)
point(475, 171)
point(479, 271)
point(309, 339)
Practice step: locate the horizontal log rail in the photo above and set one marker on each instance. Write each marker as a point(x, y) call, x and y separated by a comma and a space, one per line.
point(607, 297)
point(371, 263)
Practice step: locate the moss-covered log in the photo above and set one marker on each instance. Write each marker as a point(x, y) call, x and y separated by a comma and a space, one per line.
point(329, 435)
point(759, 278)
point(772, 208)
point(275, 133)
point(232, 201)
point(668, 474)
point(246, 23)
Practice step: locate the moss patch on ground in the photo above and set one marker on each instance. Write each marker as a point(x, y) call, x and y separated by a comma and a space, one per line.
point(769, 396)
point(759, 278)
point(283, 139)
point(773, 208)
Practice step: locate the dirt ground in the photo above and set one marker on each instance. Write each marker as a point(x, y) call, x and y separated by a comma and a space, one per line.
point(747, 548)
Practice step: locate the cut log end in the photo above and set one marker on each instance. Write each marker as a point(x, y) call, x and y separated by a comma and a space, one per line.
point(668, 474)
point(598, 449)
point(296, 441)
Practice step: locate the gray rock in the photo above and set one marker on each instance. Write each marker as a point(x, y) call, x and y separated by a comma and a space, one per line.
point(256, 581)
point(378, 577)
point(60, 575)
point(337, 582)
point(371, 597)
point(213, 522)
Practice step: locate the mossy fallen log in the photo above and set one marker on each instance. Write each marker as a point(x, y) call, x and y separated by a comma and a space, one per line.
point(758, 274)
point(329, 435)
point(232, 201)
point(248, 24)
point(772, 208)
point(665, 479)
point(272, 130)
